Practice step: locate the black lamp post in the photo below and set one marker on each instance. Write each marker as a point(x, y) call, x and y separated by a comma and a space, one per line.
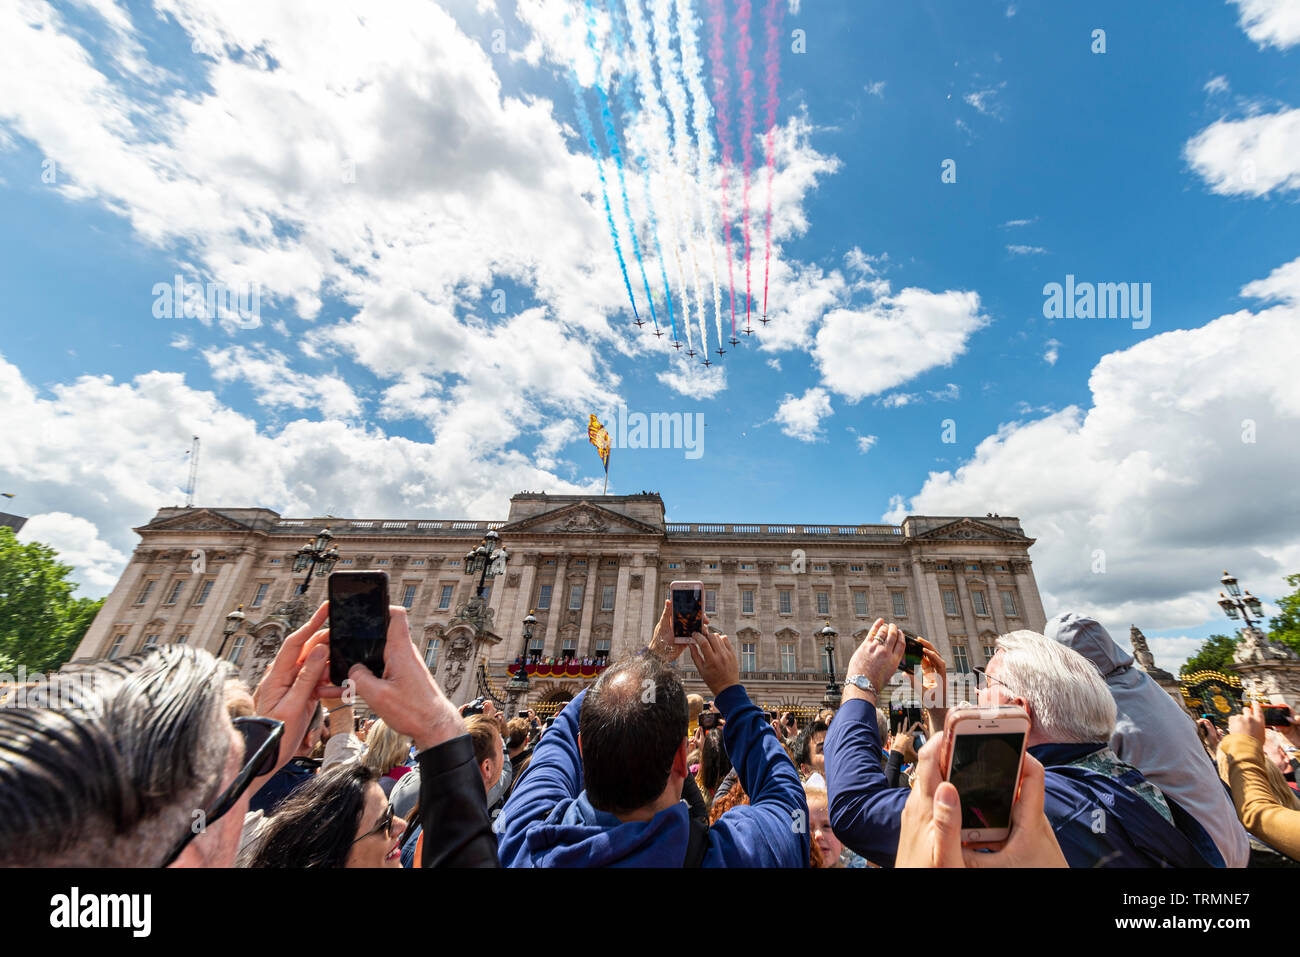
point(1236, 602)
point(489, 559)
point(318, 556)
point(832, 697)
point(517, 686)
point(234, 621)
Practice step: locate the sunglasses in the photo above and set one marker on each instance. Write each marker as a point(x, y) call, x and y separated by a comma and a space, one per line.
point(385, 824)
point(261, 757)
point(988, 678)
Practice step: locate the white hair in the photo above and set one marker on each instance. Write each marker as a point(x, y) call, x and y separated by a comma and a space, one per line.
point(1067, 698)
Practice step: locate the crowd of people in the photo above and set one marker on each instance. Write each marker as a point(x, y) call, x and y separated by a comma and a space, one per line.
point(598, 661)
point(166, 759)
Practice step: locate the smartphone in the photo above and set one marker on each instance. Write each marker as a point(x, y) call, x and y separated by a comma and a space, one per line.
point(358, 622)
point(709, 720)
point(912, 654)
point(984, 749)
point(1277, 715)
point(688, 610)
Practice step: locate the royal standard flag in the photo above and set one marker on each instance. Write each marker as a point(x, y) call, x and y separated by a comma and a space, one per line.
point(600, 439)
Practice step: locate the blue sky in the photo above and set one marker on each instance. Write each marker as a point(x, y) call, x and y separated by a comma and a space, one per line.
point(381, 174)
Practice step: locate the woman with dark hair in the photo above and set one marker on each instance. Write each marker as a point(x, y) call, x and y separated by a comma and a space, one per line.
point(340, 819)
point(714, 764)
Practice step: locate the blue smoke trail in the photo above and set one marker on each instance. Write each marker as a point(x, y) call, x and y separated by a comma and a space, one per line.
point(639, 155)
point(611, 139)
point(585, 122)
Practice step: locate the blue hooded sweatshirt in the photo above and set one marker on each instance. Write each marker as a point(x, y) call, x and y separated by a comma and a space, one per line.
point(549, 822)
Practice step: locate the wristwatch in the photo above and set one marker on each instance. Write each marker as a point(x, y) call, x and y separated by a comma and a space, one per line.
point(862, 682)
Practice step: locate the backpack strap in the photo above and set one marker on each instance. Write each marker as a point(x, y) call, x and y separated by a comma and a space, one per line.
point(697, 844)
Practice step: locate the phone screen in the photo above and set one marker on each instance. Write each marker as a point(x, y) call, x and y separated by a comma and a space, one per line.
point(912, 656)
point(1277, 716)
point(688, 611)
point(985, 770)
point(358, 622)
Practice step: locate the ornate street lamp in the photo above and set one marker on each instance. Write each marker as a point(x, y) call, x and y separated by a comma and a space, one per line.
point(234, 621)
point(319, 556)
point(517, 686)
point(832, 697)
point(1236, 603)
point(488, 560)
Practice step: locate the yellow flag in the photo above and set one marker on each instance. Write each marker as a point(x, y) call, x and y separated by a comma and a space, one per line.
point(600, 439)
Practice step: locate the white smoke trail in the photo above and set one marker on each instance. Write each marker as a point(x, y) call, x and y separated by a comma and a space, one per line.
point(675, 93)
point(693, 70)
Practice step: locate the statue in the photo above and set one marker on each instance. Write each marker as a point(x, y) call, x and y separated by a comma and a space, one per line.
point(1256, 648)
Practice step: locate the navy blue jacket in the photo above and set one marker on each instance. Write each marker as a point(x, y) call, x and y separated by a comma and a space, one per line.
point(550, 823)
point(1098, 820)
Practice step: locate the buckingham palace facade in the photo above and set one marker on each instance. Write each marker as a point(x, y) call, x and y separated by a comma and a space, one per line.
point(594, 570)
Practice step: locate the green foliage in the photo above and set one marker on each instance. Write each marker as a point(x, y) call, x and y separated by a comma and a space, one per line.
point(1286, 626)
point(41, 623)
point(1214, 655)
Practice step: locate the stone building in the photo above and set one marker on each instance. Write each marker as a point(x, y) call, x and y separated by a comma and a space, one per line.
point(595, 570)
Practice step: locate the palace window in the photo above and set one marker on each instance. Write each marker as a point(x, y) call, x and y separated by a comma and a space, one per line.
point(181, 639)
point(150, 642)
point(1009, 603)
point(607, 598)
point(570, 648)
point(145, 592)
point(746, 601)
point(408, 595)
point(746, 566)
point(783, 601)
point(117, 646)
point(972, 568)
point(960, 661)
point(580, 562)
point(204, 592)
point(535, 645)
point(823, 603)
point(747, 656)
point(860, 603)
point(900, 604)
point(381, 561)
point(280, 561)
point(237, 652)
point(710, 602)
point(544, 598)
point(892, 568)
point(674, 564)
point(342, 561)
point(575, 597)
point(950, 603)
point(713, 566)
point(999, 568)
point(602, 648)
point(787, 658)
point(989, 650)
point(431, 653)
point(783, 567)
point(944, 568)
point(857, 568)
point(444, 600)
point(417, 561)
point(260, 596)
point(177, 587)
point(981, 606)
point(820, 568)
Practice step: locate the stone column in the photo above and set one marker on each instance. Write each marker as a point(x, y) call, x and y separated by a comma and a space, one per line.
point(964, 602)
point(206, 632)
point(651, 602)
point(589, 602)
point(995, 604)
point(99, 637)
point(933, 623)
point(622, 601)
point(559, 603)
point(511, 629)
point(1031, 606)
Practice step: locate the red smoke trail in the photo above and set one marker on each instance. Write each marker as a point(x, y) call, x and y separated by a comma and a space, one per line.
point(722, 110)
point(744, 45)
point(773, 65)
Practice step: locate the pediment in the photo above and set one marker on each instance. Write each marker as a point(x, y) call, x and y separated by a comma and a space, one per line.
point(579, 518)
point(969, 530)
point(199, 520)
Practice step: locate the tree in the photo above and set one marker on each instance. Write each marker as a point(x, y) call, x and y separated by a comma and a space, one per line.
point(1214, 655)
point(41, 623)
point(1286, 626)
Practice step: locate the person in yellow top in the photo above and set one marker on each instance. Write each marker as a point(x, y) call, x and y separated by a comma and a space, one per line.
point(1242, 754)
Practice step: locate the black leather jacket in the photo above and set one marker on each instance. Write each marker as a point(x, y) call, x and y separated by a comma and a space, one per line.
point(456, 829)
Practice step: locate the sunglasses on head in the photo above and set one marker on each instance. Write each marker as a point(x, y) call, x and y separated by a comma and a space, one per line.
point(261, 757)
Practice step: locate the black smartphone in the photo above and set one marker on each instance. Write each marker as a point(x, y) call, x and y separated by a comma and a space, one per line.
point(1277, 715)
point(358, 622)
point(688, 609)
point(912, 654)
point(709, 720)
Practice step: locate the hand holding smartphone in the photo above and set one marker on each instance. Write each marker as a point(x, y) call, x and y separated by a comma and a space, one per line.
point(688, 610)
point(984, 749)
point(358, 622)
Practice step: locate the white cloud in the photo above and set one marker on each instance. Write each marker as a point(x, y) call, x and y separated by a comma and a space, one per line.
point(1275, 22)
point(985, 101)
point(865, 442)
point(1183, 465)
point(876, 89)
point(1019, 250)
point(181, 341)
point(274, 384)
point(1218, 84)
point(869, 350)
point(896, 400)
point(1052, 352)
point(800, 418)
point(775, 364)
point(949, 393)
point(689, 377)
point(95, 562)
point(1012, 223)
point(1251, 157)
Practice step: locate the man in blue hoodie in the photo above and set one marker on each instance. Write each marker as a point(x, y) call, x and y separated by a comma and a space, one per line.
point(604, 788)
point(1103, 811)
